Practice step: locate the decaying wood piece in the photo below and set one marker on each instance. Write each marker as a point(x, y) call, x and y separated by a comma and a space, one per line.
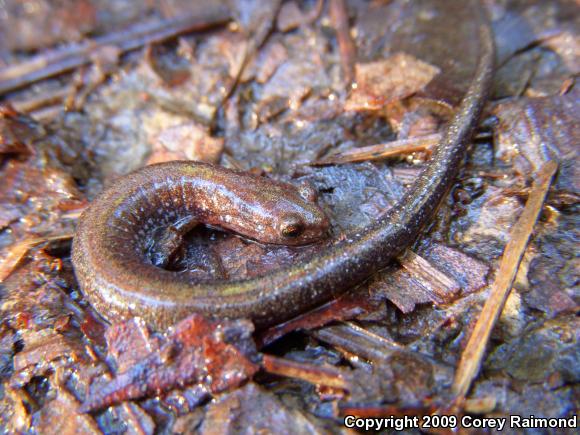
point(19, 250)
point(327, 376)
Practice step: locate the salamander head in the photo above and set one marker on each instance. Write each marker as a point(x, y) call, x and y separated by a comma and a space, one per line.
point(294, 220)
point(279, 213)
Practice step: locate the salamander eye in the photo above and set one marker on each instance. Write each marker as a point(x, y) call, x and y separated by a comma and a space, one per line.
point(292, 227)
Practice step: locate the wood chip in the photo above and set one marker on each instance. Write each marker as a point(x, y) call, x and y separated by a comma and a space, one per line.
point(318, 375)
point(388, 80)
point(290, 17)
point(442, 289)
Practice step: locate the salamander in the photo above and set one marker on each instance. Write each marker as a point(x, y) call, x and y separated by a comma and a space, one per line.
point(120, 281)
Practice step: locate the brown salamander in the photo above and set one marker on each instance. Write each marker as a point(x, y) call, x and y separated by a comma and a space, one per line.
point(117, 279)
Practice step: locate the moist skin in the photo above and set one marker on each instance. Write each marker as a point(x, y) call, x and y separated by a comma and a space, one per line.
point(117, 279)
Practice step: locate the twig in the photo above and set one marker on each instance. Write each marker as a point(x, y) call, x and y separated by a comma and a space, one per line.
point(38, 102)
point(257, 40)
point(381, 151)
point(352, 339)
point(512, 256)
point(346, 47)
point(314, 14)
point(327, 376)
point(68, 58)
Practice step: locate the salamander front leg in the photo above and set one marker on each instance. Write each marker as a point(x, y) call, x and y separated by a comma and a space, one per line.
point(165, 242)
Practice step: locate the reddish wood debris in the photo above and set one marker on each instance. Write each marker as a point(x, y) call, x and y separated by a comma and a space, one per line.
point(41, 349)
point(197, 351)
point(345, 307)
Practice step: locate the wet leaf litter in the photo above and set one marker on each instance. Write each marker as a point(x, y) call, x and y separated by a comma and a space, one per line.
point(267, 90)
